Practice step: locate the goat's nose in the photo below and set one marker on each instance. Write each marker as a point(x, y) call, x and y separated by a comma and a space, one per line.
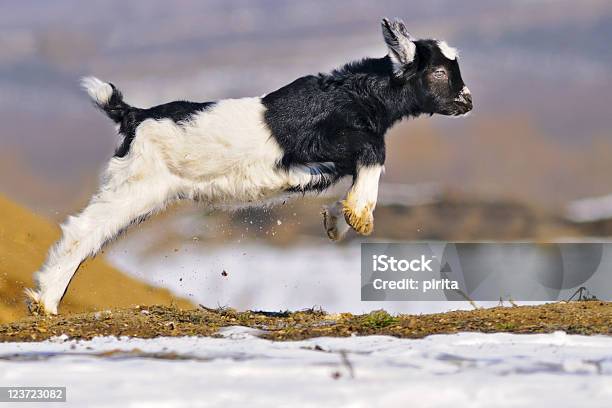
point(466, 95)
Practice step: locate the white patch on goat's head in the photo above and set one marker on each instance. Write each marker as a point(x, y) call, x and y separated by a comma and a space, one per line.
point(448, 51)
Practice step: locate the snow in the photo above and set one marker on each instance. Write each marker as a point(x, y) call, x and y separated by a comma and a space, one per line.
point(590, 209)
point(238, 369)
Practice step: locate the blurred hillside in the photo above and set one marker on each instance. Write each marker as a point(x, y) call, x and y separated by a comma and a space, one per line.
point(540, 73)
point(24, 239)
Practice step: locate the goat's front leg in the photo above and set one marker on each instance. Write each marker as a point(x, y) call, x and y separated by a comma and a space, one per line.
point(358, 206)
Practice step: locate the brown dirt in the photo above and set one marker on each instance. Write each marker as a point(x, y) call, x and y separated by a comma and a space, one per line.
point(24, 241)
point(586, 317)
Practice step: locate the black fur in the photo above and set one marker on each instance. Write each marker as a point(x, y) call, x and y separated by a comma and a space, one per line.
point(337, 119)
point(129, 117)
point(342, 117)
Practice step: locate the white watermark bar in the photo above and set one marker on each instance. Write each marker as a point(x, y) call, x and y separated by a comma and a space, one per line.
point(32, 394)
point(442, 271)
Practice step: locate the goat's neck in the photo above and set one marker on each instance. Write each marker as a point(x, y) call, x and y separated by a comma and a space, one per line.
point(399, 100)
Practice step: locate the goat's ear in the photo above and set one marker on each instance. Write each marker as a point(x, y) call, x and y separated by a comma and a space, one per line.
point(402, 49)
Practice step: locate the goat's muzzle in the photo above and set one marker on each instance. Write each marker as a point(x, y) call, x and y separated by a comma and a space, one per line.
point(463, 103)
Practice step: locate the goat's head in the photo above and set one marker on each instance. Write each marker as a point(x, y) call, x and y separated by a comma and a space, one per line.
point(430, 68)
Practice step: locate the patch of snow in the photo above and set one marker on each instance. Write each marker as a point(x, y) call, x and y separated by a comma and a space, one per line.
point(466, 369)
point(239, 332)
point(590, 209)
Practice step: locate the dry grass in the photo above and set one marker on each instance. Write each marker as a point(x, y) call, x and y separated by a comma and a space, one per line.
point(587, 318)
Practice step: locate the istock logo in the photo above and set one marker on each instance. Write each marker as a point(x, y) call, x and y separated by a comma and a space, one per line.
point(384, 263)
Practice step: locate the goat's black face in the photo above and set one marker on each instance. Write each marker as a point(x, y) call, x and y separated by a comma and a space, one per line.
point(430, 68)
point(438, 80)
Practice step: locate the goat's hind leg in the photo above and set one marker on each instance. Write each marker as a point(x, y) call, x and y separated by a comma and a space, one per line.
point(109, 212)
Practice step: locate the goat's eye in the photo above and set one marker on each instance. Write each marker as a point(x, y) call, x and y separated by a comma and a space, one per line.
point(439, 74)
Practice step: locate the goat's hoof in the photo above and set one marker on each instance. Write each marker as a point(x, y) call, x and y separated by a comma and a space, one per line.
point(330, 223)
point(34, 305)
point(362, 221)
point(333, 222)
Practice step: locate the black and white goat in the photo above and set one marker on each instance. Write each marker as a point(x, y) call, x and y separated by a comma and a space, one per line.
point(303, 137)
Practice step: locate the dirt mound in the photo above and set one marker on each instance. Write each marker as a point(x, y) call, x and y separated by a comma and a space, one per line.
point(24, 241)
point(587, 317)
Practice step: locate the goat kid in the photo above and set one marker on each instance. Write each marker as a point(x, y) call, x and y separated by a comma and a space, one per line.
point(303, 137)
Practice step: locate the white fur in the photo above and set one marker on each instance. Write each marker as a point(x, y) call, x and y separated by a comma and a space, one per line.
point(315, 173)
point(98, 90)
point(409, 48)
point(448, 51)
point(365, 187)
point(132, 188)
point(464, 92)
point(225, 155)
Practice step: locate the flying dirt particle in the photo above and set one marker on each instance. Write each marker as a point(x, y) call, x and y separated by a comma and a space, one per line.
point(224, 273)
point(278, 222)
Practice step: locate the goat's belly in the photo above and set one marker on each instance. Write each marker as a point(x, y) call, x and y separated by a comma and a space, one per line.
point(243, 185)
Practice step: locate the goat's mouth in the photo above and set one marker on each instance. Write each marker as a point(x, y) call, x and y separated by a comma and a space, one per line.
point(461, 105)
point(463, 110)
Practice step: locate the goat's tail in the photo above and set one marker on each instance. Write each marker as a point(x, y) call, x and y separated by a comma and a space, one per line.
point(106, 97)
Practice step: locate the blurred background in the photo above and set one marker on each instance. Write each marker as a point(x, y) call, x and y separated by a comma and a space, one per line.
point(532, 162)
